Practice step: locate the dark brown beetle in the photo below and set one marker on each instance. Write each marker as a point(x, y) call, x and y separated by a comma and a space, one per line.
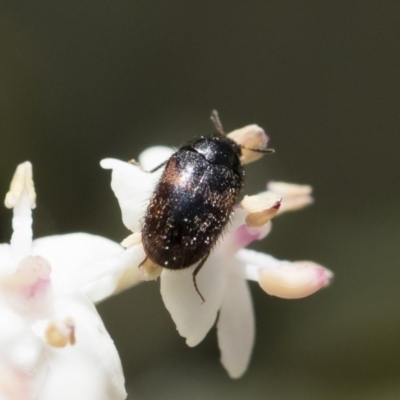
point(193, 201)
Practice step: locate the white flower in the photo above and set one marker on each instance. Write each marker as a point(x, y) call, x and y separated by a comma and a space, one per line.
point(222, 279)
point(53, 343)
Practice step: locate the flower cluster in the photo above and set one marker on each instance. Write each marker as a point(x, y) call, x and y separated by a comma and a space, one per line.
point(53, 343)
point(223, 278)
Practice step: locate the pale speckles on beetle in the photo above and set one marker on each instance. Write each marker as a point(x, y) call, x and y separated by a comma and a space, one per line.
point(193, 200)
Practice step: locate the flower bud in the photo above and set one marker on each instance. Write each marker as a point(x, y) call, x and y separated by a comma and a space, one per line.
point(261, 208)
point(21, 181)
point(250, 137)
point(294, 280)
point(294, 197)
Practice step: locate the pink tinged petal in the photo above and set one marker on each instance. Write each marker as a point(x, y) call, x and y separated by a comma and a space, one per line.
point(285, 279)
point(15, 384)
point(250, 137)
point(244, 235)
point(295, 197)
point(83, 261)
point(251, 221)
point(294, 280)
point(22, 198)
point(29, 287)
point(236, 326)
point(133, 187)
point(193, 319)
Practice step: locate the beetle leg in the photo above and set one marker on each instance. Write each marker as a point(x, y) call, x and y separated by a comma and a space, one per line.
point(136, 163)
point(195, 272)
point(143, 262)
point(158, 167)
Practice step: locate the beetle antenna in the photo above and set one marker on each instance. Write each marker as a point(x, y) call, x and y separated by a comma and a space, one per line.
point(217, 122)
point(259, 150)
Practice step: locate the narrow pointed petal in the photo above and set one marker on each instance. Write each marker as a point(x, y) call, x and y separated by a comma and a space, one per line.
point(22, 198)
point(133, 187)
point(193, 319)
point(21, 182)
point(236, 326)
point(79, 259)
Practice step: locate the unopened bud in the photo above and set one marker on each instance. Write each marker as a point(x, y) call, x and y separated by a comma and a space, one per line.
point(22, 181)
point(250, 137)
point(294, 280)
point(261, 208)
point(294, 197)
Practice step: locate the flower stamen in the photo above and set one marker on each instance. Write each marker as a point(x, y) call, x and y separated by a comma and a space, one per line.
point(60, 334)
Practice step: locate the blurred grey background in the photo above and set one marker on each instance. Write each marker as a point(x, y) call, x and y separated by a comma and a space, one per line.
point(81, 80)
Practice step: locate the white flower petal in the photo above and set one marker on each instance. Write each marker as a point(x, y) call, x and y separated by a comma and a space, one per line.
point(6, 264)
point(193, 319)
point(77, 379)
point(128, 278)
point(101, 288)
point(78, 259)
point(93, 349)
point(154, 156)
point(16, 327)
point(14, 383)
point(236, 327)
point(21, 198)
point(28, 288)
point(133, 187)
point(255, 260)
point(21, 239)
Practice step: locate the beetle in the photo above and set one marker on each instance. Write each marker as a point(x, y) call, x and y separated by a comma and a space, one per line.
point(192, 202)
